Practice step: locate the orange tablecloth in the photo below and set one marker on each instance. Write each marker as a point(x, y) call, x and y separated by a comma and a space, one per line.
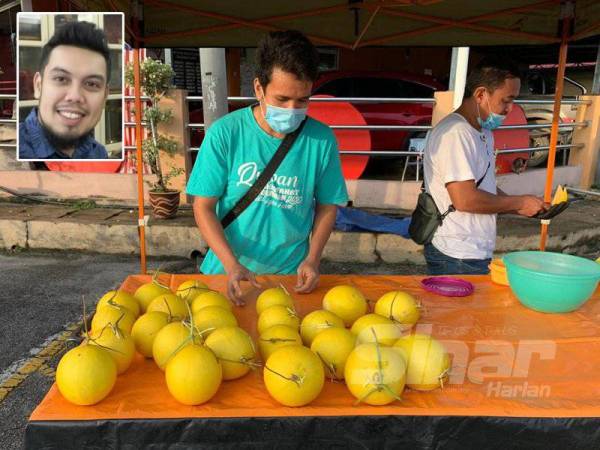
point(508, 361)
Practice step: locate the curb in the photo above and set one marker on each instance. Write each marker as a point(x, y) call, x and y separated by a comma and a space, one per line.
point(185, 241)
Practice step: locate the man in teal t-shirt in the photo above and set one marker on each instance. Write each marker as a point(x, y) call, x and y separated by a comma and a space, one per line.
point(272, 235)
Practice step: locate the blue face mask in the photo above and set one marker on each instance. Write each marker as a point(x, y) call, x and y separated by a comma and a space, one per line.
point(284, 120)
point(492, 121)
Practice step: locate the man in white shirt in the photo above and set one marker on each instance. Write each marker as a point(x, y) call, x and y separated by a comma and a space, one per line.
point(459, 169)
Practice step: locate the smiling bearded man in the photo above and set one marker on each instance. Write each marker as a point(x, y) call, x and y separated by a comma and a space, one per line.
point(72, 87)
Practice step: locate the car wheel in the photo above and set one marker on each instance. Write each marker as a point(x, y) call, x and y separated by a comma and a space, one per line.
point(538, 138)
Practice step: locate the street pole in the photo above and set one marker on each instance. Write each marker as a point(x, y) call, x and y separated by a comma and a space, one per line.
point(214, 84)
point(459, 66)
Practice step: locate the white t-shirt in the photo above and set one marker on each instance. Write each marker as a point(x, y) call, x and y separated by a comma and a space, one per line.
point(455, 151)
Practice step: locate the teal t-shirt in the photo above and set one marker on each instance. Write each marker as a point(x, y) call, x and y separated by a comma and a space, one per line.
point(272, 234)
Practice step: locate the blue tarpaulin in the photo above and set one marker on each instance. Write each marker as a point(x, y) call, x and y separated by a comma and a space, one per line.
point(352, 219)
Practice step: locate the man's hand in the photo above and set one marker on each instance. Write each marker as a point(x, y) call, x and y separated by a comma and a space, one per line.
point(236, 274)
point(531, 205)
point(308, 277)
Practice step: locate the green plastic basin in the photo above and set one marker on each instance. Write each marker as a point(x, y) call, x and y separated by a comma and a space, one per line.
point(551, 282)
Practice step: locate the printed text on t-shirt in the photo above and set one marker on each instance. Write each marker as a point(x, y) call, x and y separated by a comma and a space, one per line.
point(281, 191)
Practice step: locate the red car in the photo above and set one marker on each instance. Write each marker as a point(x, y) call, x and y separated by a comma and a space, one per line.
point(378, 84)
point(370, 84)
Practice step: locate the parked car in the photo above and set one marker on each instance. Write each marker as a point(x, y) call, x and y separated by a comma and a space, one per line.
point(371, 84)
point(385, 84)
point(541, 84)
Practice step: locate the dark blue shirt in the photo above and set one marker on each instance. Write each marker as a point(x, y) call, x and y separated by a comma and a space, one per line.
point(34, 145)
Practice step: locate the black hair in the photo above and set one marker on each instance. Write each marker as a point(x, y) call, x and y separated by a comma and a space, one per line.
point(84, 35)
point(490, 73)
point(291, 52)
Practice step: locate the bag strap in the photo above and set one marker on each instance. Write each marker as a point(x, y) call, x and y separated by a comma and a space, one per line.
point(264, 177)
point(451, 208)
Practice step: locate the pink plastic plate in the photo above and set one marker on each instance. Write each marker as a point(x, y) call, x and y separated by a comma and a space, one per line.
point(448, 286)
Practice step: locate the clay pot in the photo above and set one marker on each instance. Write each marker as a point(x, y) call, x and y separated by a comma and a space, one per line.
point(164, 204)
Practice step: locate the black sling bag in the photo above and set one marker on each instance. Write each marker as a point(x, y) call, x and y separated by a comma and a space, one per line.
point(426, 218)
point(263, 179)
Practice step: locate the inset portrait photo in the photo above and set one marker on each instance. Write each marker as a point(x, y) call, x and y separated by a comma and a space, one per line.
point(70, 86)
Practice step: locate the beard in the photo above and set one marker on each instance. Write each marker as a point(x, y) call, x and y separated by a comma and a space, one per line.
point(62, 143)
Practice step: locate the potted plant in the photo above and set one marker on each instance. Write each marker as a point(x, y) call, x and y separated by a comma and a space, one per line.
point(155, 82)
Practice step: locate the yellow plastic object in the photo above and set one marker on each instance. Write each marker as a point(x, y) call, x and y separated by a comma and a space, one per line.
point(498, 272)
point(560, 195)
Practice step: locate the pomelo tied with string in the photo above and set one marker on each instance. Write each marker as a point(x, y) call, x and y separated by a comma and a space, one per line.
point(372, 327)
point(86, 374)
point(210, 298)
point(234, 349)
point(122, 298)
point(148, 292)
point(294, 375)
point(171, 339)
point(276, 337)
point(277, 315)
point(170, 304)
point(273, 296)
point(193, 375)
point(213, 317)
point(145, 329)
point(333, 346)
point(427, 359)
point(399, 306)
point(317, 321)
point(110, 314)
point(118, 343)
point(188, 290)
point(346, 302)
point(374, 374)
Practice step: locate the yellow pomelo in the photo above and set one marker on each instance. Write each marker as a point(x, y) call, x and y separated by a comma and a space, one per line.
point(118, 343)
point(333, 346)
point(171, 339)
point(294, 376)
point(210, 298)
point(188, 290)
point(374, 374)
point(427, 360)
point(346, 302)
point(373, 327)
point(212, 317)
point(86, 374)
point(276, 337)
point(170, 304)
point(317, 321)
point(111, 314)
point(145, 329)
point(148, 292)
point(273, 296)
point(277, 315)
point(193, 375)
point(399, 306)
point(234, 349)
point(120, 298)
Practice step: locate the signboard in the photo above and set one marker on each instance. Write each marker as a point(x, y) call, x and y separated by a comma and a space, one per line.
point(186, 64)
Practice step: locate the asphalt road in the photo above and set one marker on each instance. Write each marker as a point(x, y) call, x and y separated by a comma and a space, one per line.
point(41, 296)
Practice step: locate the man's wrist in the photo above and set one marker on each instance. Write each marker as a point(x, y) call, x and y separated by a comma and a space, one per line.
point(313, 260)
point(231, 266)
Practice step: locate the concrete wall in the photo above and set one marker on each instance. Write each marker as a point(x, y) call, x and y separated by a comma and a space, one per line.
point(363, 193)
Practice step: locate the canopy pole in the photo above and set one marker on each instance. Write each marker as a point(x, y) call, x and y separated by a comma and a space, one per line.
point(566, 13)
point(139, 161)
